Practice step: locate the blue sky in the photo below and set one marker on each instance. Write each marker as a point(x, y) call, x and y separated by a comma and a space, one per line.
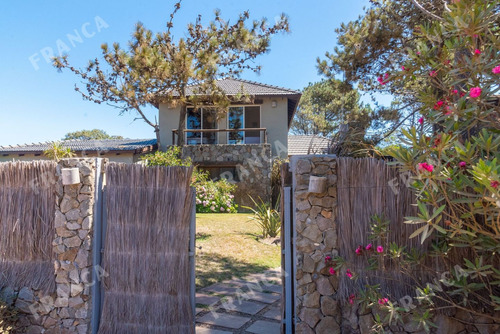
point(38, 104)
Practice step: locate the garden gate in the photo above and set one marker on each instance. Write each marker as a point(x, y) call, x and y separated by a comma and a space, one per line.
point(147, 235)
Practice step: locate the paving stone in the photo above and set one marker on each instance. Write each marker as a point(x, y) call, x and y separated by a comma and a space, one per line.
point(264, 327)
point(273, 313)
point(273, 288)
point(224, 320)
point(204, 330)
point(205, 299)
point(245, 307)
point(222, 289)
point(263, 297)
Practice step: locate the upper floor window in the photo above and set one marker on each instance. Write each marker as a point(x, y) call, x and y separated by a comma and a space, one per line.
point(244, 118)
point(201, 119)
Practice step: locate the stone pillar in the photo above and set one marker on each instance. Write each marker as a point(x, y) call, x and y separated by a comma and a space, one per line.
point(73, 249)
point(315, 224)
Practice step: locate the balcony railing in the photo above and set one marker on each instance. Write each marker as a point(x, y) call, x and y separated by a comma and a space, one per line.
point(246, 139)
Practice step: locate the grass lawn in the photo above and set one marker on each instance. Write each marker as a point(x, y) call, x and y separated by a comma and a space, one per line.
point(230, 247)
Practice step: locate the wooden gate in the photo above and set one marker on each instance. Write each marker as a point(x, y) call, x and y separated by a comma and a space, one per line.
point(149, 280)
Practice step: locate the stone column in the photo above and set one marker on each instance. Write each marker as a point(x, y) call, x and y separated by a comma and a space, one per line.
point(315, 224)
point(73, 248)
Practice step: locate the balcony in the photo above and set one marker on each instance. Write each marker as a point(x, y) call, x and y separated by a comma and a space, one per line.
point(241, 136)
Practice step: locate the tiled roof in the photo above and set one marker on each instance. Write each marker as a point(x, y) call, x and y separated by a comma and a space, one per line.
point(307, 144)
point(233, 86)
point(102, 145)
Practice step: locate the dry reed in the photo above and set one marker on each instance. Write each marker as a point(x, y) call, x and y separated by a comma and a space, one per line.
point(364, 189)
point(27, 211)
point(146, 250)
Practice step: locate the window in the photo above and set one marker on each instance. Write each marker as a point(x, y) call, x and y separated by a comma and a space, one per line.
point(229, 173)
point(244, 117)
point(201, 119)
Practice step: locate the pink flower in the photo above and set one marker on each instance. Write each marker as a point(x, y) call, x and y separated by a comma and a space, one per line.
point(418, 52)
point(496, 70)
point(421, 120)
point(438, 105)
point(348, 273)
point(332, 271)
point(448, 110)
point(477, 52)
point(328, 258)
point(433, 73)
point(494, 184)
point(454, 92)
point(475, 92)
point(380, 249)
point(380, 80)
point(369, 247)
point(403, 68)
point(462, 164)
point(425, 166)
point(383, 301)
point(359, 250)
point(351, 299)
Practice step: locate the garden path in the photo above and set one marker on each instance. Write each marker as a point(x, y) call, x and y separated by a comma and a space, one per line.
point(242, 306)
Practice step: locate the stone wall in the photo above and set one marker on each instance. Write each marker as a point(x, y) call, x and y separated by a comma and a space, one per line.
point(252, 163)
point(318, 309)
point(68, 310)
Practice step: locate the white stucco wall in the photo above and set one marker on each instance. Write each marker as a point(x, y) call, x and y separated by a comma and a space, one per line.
point(274, 119)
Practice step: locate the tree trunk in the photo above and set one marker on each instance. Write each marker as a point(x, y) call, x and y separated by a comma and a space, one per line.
point(158, 139)
point(182, 125)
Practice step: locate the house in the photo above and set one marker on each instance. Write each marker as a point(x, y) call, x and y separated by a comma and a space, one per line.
point(118, 150)
point(238, 144)
point(262, 119)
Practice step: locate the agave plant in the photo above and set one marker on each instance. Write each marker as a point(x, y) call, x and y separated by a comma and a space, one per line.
point(267, 218)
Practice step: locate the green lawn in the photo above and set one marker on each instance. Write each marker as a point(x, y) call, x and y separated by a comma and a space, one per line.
point(230, 247)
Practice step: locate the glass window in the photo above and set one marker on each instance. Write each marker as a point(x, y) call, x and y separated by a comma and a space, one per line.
point(252, 120)
point(236, 121)
point(193, 122)
point(201, 119)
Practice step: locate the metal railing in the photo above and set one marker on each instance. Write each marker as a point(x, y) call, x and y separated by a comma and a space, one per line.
point(217, 131)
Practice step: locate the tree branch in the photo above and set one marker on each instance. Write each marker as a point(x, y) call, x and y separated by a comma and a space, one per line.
point(425, 11)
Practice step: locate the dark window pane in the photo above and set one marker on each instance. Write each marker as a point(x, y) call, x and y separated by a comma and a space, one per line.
point(235, 118)
point(252, 120)
point(193, 121)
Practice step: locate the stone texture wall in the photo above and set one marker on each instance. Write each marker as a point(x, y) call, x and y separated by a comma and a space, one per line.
point(68, 310)
point(315, 214)
point(252, 164)
point(317, 308)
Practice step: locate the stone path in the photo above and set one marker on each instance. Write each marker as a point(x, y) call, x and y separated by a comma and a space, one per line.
point(250, 305)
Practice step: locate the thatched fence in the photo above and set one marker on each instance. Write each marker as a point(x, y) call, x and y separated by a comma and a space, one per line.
point(146, 250)
point(27, 200)
point(368, 187)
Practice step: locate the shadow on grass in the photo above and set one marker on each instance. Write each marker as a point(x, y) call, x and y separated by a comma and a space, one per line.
point(202, 236)
point(213, 268)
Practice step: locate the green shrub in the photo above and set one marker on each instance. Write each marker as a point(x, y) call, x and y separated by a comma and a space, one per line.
point(211, 196)
point(267, 218)
point(214, 196)
point(169, 158)
point(453, 156)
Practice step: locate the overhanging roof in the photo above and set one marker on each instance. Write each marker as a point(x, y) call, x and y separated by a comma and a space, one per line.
point(90, 146)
